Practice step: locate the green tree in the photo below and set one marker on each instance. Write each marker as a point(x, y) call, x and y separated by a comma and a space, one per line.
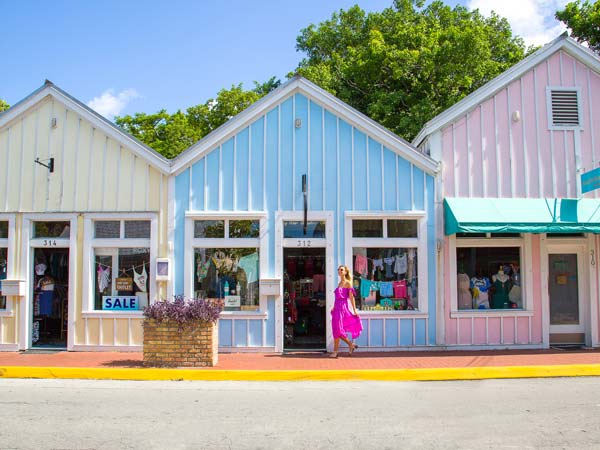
point(170, 134)
point(583, 19)
point(406, 64)
point(3, 105)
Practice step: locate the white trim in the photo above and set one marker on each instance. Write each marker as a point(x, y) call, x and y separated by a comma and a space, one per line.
point(107, 348)
point(323, 99)
point(11, 262)
point(566, 44)
point(97, 314)
point(90, 243)
point(419, 243)
point(27, 246)
point(9, 347)
point(280, 243)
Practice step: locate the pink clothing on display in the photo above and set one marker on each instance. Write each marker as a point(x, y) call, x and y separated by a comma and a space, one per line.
point(318, 283)
point(360, 265)
point(343, 321)
point(309, 268)
point(400, 289)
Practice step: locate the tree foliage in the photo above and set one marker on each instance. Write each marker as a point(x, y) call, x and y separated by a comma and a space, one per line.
point(3, 105)
point(583, 19)
point(170, 134)
point(406, 64)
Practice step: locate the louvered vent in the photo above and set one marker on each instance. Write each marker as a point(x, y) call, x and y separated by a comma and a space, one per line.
point(565, 108)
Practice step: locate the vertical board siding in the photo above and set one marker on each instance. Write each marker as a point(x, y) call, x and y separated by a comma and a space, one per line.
point(501, 157)
point(260, 168)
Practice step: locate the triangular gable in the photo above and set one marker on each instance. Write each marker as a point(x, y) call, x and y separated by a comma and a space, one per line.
point(324, 99)
point(488, 90)
point(149, 155)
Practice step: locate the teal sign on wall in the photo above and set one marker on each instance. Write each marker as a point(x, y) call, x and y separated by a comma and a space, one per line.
point(590, 180)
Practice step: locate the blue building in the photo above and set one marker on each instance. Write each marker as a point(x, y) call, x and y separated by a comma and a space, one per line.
point(264, 209)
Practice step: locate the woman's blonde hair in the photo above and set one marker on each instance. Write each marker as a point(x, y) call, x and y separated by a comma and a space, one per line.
point(347, 273)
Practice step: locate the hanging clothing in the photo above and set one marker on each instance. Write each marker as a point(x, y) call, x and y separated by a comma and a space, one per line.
point(140, 278)
point(465, 300)
point(250, 265)
point(343, 321)
point(103, 278)
point(400, 266)
point(386, 289)
point(501, 290)
point(360, 265)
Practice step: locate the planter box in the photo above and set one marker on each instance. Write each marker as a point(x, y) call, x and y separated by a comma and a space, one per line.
point(166, 345)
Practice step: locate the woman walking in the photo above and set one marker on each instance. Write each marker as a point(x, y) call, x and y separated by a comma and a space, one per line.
point(344, 321)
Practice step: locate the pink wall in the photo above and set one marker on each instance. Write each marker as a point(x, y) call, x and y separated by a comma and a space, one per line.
point(487, 154)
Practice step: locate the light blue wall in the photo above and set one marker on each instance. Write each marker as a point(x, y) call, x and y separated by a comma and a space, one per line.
point(260, 168)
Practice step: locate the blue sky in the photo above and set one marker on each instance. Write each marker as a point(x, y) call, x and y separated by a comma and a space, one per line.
point(122, 57)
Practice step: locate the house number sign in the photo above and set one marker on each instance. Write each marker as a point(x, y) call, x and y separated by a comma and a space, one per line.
point(49, 243)
point(303, 243)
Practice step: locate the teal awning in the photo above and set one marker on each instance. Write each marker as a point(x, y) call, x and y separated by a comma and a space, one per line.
point(521, 215)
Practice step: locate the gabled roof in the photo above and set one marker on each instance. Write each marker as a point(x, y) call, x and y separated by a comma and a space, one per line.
point(50, 89)
point(488, 90)
point(325, 99)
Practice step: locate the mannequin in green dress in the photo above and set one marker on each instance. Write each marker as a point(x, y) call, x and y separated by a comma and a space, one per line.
point(501, 284)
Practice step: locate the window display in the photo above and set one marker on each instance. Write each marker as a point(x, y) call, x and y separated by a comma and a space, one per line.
point(231, 274)
point(385, 278)
point(488, 278)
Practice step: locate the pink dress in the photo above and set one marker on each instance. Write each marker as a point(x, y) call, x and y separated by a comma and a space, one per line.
point(342, 319)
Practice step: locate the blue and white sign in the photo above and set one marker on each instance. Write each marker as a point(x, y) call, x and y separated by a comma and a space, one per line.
point(120, 303)
point(590, 180)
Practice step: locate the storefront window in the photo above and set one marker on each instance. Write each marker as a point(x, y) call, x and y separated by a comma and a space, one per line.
point(3, 271)
point(209, 228)
point(3, 230)
point(488, 277)
point(244, 228)
point(121, 273)
point(231, 274)
point(51, 229)
point(385, 278)
point(367, 228)
point(121, 267)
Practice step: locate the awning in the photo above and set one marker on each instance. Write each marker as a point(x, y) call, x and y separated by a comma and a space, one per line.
point(521, 215)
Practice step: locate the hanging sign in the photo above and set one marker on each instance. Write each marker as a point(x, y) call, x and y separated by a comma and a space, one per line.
point(124, 284)
point(590, 180)
point(120, 303)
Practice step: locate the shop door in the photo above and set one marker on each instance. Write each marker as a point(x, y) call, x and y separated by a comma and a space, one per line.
point(50, 297)
point(566, 298)
point(304, 299)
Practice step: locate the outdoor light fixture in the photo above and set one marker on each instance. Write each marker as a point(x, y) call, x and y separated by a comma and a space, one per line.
point(49, 166)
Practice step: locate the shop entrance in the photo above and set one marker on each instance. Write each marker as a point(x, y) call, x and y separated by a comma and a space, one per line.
point(50, 297)
point(304, 302)
point(565, 298)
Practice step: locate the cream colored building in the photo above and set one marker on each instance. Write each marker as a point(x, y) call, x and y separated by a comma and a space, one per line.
point(82, 223)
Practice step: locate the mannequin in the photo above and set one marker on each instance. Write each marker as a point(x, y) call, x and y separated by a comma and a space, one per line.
point(465, 300)
point(501, 284)
point(46, 287)
point(479, 287)
point(515, 292)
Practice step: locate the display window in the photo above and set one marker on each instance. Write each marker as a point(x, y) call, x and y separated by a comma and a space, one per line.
point(488, 277)
point(121, 262)
point(385, 263)
point(226, 261)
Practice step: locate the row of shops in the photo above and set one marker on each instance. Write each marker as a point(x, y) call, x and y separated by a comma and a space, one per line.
point(479, 234)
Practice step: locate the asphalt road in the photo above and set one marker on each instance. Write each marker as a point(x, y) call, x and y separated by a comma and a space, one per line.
point(559, 413)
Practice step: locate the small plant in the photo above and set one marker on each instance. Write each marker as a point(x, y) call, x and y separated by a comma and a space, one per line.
point(185, 311)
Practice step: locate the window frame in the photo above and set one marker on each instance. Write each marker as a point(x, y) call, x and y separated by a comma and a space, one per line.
point(549, 109)
point(9, 244)
point(419, 243)
point(91, 243)
point(523, 243)
point(192, 243)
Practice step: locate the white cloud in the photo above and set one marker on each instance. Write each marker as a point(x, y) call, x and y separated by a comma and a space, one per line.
point(533, 20)
point(110, 105)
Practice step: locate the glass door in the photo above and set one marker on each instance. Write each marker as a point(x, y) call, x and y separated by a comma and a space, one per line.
point(565, 298)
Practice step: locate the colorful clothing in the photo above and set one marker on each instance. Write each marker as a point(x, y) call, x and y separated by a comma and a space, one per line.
point(360, 265)
point(386, 289)
point(400, 289)
point(250, 265)
point(343, 321)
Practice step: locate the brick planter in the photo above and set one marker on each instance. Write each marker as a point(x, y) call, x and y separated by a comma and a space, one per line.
point(165, 345)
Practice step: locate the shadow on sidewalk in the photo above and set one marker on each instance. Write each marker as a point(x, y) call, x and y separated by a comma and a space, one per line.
point(124, 363)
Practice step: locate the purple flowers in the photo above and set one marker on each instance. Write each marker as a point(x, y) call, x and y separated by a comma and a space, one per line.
point(185, 311)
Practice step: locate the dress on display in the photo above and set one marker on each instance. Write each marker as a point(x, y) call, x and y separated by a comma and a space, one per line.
point(465, 301)
point(342, 319)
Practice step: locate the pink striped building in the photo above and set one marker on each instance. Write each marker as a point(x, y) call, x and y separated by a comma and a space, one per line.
point(517, 228)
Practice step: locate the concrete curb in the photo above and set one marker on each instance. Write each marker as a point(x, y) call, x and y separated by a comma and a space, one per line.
point(436, 374)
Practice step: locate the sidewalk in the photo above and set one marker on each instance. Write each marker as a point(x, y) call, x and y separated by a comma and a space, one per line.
point(394, 366)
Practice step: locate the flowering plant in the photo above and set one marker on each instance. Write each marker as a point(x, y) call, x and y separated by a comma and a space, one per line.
point(185, 311)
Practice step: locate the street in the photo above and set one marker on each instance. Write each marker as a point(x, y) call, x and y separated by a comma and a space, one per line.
point(499, 414)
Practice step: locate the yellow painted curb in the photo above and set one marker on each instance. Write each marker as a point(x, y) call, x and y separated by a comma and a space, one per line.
point(436, 374)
